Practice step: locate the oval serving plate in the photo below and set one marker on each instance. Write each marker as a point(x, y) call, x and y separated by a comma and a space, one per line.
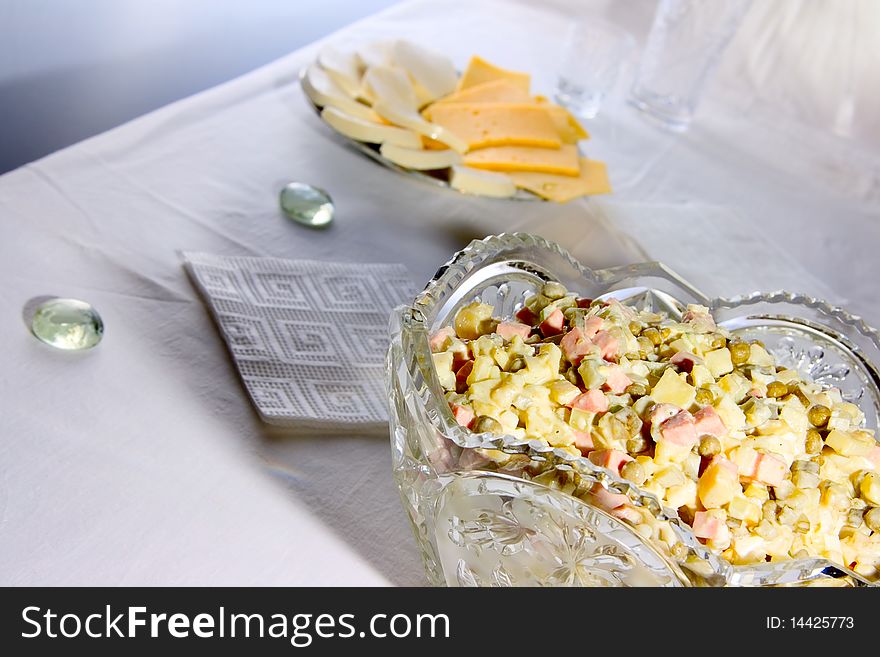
point(436, 177)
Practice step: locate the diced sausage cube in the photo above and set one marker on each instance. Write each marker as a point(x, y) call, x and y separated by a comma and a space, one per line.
point(612, 459)
point(526, 316)
point(509, 329)
point(605, 499)
point(440, 337)
point(592, 401)
point(583, 441)
point(685, 360)
point(770, 470)
point(553, 324)
point(464, 415)
point(592, 326)
point(680, 430)
point(607, 343)
point(575, 346)
point(707, 526)
point(615, 380)
point(708, 422)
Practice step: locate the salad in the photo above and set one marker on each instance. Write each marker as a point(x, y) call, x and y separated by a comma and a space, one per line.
point(763, 464)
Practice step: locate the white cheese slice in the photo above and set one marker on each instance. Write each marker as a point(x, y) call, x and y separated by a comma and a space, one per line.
point(409, 118)
point(343, 67)
point(369, 132)
point(391, 85)
point(376, 53)
point(434, 75)
point(484, 183)
point(420, 159)
point(324, 92)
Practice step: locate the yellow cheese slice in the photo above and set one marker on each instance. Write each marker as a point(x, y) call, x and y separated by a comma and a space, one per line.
point(498, 124)
point(568, 127)
point(479, 70)
point(409, 118)
point(369, 132)
point(324, 92)
point(494, 91)
point(422, 160)
point(484, 183)
point(593, 179)
point(562, 161)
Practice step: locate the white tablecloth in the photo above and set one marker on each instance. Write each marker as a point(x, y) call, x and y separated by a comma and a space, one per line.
point(142, 462)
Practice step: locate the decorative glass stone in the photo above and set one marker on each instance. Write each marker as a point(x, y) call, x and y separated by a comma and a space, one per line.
point(307, 205)
point(67, 324)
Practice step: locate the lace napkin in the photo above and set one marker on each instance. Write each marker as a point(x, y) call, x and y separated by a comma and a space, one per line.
point(307, 337)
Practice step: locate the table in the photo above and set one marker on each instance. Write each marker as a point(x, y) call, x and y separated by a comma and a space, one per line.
point(143, 463)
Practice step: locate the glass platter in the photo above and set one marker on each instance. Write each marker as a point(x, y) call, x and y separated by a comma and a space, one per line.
point(477, 524)
point(437, 177)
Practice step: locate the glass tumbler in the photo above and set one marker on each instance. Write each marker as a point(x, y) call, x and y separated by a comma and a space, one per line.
point(684, 47)
point(593, 55)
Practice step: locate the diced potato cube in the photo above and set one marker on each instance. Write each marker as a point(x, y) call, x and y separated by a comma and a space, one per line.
point(509, 420)
point(870, 488)
point(759, 356)
point(745, 508)
point(701, 376)
point(666, 452)
point(484, 368)
point(502, 357)
point(581, 420)
point(474, 320)
point(748, 549)
point(682, 343)
point(591, 374)
point(851, 443)
point(717, 486)
point(719, 362)
point(443, 366)
point(795, 416)
point(757, 491)
point(684, 494)
point(504, 393)
point(736, 385)
point(672, 389)
point(734, 419)
point(563, 391)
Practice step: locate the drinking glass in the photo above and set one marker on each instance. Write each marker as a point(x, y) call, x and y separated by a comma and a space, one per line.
point(684, 47)
point(593, 55)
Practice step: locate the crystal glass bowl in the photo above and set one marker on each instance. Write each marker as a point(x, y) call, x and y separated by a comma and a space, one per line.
point(478, 524)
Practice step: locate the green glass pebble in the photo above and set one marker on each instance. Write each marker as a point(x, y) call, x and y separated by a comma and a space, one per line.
point(307, 205)
point(67, 324)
